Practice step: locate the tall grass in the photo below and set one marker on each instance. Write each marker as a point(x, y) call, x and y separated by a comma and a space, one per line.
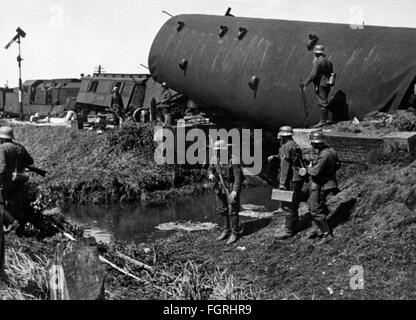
point(26, 273)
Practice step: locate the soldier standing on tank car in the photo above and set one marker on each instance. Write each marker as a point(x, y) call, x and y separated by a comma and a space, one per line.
point(290, 179)
point(324, 183)
point(322, 77)
point(227, 191)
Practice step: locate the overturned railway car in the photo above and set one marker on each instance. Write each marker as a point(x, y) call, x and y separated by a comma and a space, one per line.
point(252, 67)
point(95, 93)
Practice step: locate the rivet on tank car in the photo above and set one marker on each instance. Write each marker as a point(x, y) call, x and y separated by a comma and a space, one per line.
point(253, 84)
point(183, 64)
point(180, 26)
point(241, 33)
point(223, 31)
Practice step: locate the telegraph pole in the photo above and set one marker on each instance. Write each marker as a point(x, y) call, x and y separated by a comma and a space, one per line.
point(99, 69)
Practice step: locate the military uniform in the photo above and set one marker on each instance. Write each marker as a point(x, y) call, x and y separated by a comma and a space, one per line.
point(289, 179)
point(117, 105)
point(320, 75)
point(233, 176)
point(324, 184)
point(13, 157)
point(165, 107)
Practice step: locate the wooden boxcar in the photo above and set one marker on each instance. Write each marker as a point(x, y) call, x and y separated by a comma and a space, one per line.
point(96, 92)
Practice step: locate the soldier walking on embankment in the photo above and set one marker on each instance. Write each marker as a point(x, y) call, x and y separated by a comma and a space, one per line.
point(324, 183)
point(290, 179)
point(228, 182)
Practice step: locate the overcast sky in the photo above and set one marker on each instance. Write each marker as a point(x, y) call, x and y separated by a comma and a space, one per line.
point(69, 37)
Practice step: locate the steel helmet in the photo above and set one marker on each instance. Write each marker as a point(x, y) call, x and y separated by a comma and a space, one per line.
point(285, 131)
point(221, 145)
point(6, 133)
point(319, 48)
point(318, 137)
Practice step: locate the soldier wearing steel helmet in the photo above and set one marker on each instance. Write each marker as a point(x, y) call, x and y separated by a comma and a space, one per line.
point(165, 106)
point(320, 76)
point(324, 183)
point(227, 191)
point(289, 179)
point(13, 159)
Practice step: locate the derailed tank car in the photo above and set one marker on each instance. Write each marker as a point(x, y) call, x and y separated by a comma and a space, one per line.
point(252, 67)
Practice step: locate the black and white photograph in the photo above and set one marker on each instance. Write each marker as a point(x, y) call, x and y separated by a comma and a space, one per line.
point(207, 156)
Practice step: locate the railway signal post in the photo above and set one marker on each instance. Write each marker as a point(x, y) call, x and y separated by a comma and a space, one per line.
point(17, 38)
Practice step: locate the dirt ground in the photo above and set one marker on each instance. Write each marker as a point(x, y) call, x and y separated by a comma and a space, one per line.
point(374, 220)
point(375, 223)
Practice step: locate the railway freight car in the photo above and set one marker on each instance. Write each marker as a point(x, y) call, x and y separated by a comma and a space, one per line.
point(45, 97)
point(3, 95)
point(251, 68)
point(96, 91)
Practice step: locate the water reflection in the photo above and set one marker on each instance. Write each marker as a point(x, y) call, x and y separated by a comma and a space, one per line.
point(137, 224)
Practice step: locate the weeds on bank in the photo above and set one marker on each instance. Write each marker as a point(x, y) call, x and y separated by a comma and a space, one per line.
point(26, 273)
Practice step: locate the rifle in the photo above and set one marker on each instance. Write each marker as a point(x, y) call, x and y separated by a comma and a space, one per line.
point(226, 190)
point(39, 171)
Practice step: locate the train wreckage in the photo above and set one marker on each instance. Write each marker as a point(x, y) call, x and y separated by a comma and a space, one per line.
point(248, 68)
point(252, 67)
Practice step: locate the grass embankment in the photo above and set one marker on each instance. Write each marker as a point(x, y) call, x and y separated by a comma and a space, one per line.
point(28, 258)
point(26, 268)
point(117, 166)
point(376, 224)
point(375, 228)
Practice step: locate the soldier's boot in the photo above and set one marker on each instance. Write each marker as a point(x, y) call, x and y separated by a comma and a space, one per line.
point(325, 229)
point(290, 229)
point(321, 229)
point(323, 118)
point(236, 231)
point(315, 232)
point(226, 230)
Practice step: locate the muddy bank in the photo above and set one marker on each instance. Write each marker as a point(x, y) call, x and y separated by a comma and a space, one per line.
point(375, 224)
point(117, 166)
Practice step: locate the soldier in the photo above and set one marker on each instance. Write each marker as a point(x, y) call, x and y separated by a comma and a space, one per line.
point(321, 77)
point(13, 159)
point(324, 183)
point(228, 181)
point(290, 179)
point(117, 105)
point(165, 105)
